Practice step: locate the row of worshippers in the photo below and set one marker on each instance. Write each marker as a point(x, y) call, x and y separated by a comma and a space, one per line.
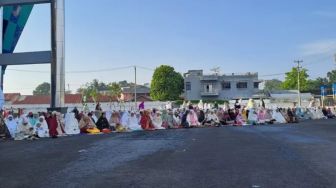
point(34, 126)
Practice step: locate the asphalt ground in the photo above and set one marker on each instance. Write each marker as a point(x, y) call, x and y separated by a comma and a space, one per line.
point(292, 155)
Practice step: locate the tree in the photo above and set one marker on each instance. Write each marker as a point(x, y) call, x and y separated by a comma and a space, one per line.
point(114, 90)
point(331, 76)
point(291, 80)
point(167, 84)
point(42, 89)
point(271, 85)
point(92, 89)
point(314, 86)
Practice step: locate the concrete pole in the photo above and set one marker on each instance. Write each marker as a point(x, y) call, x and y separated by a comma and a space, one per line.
point(1, 35)
point(58, 50)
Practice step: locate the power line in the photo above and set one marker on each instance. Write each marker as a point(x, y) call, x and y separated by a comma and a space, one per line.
point(76, 72)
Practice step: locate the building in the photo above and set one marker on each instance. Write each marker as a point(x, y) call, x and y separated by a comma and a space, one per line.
point(220, 87)
point(36, 103)
point(127, 93)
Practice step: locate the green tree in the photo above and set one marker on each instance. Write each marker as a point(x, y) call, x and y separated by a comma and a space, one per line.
point(271, 85)
point(314, 86)
point(331, 76)
point(114, 90)
point(167, 84)
point(42, 89)
point(291, 80)
point(92, 89)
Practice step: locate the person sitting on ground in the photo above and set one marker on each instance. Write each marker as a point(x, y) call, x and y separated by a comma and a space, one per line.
point(52, 124)
point(4, 132)
point(71, 126)
point(157, 120)
point(164, 117)
point(177, 119)
point(114, 120)
point(145, 121)
point(184, 122)
point(278, 117)
point(25, 131)
point(239, 119)
point(170, 120)
point(292, 118)
point(102, 122)
point(201, 117)
point(330, 115)
point(252, 117)
point(212, 119)
point(32, 118)
point(41, 128)
point(90, 114)
point(60, 124)
point(192, 119)
point(261, 117)
point(132, 123)
point(11, 125)
point(86, 125)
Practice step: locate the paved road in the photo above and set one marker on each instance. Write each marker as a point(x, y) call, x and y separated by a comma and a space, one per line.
point(300, 155)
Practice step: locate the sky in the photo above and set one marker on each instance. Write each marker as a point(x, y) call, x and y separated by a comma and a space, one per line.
point(236, 35)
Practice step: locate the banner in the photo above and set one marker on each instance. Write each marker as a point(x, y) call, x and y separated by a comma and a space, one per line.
point(334, 90)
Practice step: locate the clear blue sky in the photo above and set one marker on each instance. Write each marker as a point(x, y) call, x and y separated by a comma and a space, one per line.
point(238, 35)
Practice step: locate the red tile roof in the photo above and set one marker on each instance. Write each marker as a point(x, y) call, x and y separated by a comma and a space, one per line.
point(11, 96)
point(45, 99)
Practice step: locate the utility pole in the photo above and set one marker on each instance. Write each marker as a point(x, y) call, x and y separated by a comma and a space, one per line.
point(298, 62)
point(135, 87)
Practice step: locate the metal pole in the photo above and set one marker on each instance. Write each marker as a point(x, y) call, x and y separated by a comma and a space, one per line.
point(135, 87)
point(1, 36)
point(298, 70)
point(57, 48)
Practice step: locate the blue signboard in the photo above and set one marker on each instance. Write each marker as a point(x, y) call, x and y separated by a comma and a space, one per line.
point(14, 21)
point(334, 88)
point(323, 91)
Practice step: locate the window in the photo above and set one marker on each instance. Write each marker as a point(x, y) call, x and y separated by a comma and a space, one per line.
point(226, 85)
point(242, 85)
point(188, 86)
point(256, 85)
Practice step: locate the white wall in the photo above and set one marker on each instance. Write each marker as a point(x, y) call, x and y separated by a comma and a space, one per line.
point(105, 106)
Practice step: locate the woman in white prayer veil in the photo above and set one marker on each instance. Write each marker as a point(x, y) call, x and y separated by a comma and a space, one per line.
point(313, 113)
point(320, 114)
point(157, 120)
point(133, 123)
point(71, 124)
point(124, 118)
point(41, 127)
point(278, 116)
point(11, 125)
point(200, 105)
